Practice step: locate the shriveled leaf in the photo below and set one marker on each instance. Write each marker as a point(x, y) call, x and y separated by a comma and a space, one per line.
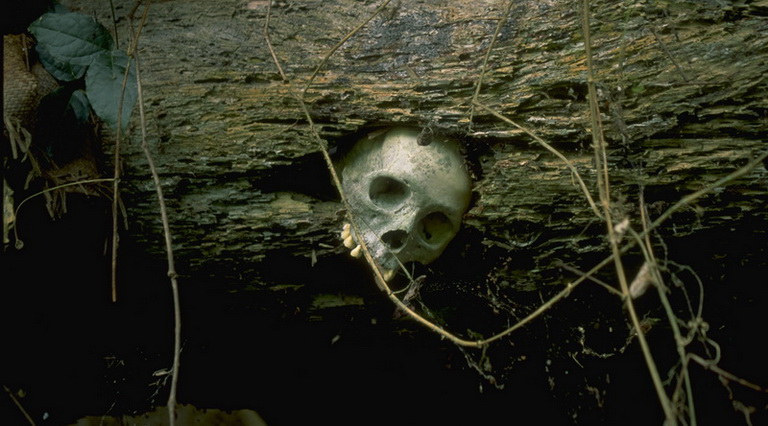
point(104, 85)
point(71, 38)
point(62, 71)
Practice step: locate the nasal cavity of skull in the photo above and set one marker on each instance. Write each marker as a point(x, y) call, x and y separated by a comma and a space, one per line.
point(435, 228)
point(388, 193)
point(395, 240)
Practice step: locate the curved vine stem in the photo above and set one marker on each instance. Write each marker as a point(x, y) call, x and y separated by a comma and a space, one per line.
point(484, 66)
point(172, 274)
point(377, 270)
point(603, 184)
point(337, 46)
point(551, 149)
point(19, 242)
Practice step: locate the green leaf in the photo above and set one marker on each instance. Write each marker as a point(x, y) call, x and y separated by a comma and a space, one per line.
point(80, 106)
point(62, 71)
point(71, 38)
point(104, 85)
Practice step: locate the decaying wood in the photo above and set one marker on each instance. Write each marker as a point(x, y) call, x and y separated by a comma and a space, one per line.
point(682, 90)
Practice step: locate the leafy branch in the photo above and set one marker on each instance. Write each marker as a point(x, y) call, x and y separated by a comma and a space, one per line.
point(72, 47)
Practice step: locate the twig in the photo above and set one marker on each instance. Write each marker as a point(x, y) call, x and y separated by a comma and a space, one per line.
point(116, 184)
point(172, 275)
point(647, 249)
point(339, 44)
point(690, 198)
point(595, 280)
point(20, 243)
point(601, 165)
point(269, 42)
point(709, 365)
point(484, 66)
point(114, 24)
point(378, 276)
point(117, 169)
point(18, 404)
point(667, 52)
point(541, 309)
point(551, 149)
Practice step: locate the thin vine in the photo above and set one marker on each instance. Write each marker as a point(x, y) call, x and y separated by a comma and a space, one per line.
point(617, 250)
point(168, 239)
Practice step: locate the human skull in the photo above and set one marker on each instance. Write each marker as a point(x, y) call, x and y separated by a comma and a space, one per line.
point(406, 198)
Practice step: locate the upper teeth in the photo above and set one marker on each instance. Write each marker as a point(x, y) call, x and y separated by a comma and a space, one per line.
point(349, 242)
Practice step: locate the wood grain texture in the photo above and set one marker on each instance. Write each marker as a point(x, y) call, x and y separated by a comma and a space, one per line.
point(681, 89)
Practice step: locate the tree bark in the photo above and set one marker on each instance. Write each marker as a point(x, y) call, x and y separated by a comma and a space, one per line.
point(681, 93)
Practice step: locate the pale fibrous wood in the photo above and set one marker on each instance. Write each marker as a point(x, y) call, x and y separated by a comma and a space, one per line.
point(681, 88)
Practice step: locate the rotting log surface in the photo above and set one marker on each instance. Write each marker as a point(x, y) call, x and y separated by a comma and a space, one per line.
point(682, 92)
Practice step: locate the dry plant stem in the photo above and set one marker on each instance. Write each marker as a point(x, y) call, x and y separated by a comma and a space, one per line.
point(300, 100)
point(667, 52)
point(115, 201)
point(116, 176)
point(339, 44)
point(672, 319)
point(117, 169)
point(47, 190)
point(544, 307)
point(114, 24)
point(600, 282)
point(313, 130)
point(551, 149)
point(668, 213)
point(379, 277)
point(381, 282)
point(688, 199)
point(604, 190)
point(269, 43)
point(172, 275)
point(17, 135)
point(647, 248)
point(19, 406)
point(709, 365)
point(484, 67)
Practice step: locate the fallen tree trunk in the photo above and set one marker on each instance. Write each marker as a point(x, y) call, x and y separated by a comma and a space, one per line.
point(681, 93)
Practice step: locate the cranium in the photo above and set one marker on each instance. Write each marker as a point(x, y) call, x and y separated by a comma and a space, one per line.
point(407, 199)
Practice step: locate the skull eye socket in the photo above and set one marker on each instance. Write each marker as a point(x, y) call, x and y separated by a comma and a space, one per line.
point(388, 193)
point(435, 228)
point(395, 240)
